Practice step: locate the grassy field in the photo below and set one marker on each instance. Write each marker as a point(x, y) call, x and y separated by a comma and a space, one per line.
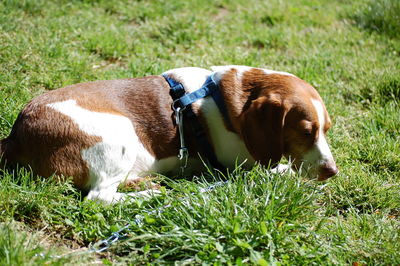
point(348, 50)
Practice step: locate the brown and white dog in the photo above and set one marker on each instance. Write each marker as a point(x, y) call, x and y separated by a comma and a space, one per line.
point(105, 132)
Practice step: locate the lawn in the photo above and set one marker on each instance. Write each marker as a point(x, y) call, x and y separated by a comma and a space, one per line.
point(348, 50)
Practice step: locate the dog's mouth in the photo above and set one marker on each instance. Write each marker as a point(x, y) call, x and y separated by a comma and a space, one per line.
point(322, 178)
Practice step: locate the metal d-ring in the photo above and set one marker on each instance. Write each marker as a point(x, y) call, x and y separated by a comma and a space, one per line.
point(174, 107)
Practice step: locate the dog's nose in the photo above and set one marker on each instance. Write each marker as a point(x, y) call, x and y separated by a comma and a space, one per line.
point(327, 170)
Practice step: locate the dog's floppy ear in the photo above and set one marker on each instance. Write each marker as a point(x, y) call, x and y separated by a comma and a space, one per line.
point(261, 127)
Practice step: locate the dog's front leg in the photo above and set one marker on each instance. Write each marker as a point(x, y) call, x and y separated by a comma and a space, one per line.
point(107, 191)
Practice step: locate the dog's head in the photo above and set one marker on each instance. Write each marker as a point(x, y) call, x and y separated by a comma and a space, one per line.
point(283, 115)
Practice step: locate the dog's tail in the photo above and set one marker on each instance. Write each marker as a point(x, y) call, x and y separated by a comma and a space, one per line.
point(6, 153)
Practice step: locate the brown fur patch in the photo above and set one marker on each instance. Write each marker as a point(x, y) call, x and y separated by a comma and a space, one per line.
point(50, 143)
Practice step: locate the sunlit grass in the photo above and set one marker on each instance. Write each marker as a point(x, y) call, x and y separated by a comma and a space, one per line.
point(348, 50)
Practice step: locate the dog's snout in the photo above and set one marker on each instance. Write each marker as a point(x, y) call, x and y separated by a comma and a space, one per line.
point(327, 170)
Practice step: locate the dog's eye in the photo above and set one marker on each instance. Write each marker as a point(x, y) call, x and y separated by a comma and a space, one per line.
point(307, 133)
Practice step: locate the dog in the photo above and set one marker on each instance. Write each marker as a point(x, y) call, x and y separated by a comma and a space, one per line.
point(103, 133)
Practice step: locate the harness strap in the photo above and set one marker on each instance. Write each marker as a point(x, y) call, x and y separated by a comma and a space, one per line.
point(176, 89)
point(184, 101)
point(210, 87)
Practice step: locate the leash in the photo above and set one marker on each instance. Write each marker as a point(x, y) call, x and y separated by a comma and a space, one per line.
point(182, 107)
point(177, 91)
point(105, 244)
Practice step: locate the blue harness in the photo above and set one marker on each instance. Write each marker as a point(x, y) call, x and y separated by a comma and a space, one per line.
point(182, 102)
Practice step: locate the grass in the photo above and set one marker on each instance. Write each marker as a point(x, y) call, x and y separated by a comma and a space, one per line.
point(381, 16)
point(350, 51)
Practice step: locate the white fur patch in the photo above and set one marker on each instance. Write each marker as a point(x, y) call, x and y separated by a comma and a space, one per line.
point(120, 154)
point(320, 152)
point(192, 78)
point(229, 148)
point(322, 143)
point(221, 70)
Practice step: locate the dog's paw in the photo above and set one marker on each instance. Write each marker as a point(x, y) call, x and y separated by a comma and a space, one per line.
point(139, 184)
point(282, 169)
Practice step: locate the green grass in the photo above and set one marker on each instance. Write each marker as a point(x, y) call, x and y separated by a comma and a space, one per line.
point(381, 16)
point(349, 50)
